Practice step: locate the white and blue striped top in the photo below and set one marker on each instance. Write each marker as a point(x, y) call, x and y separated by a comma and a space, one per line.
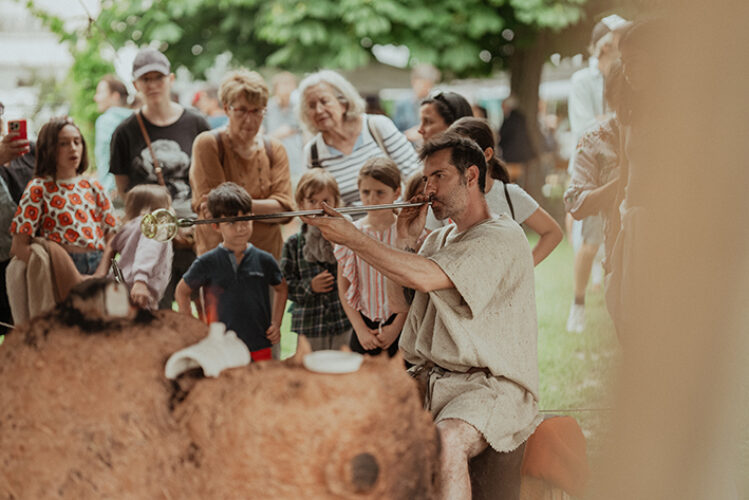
point(345, 168)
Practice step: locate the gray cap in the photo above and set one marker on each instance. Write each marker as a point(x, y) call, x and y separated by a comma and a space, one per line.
point(148, 60)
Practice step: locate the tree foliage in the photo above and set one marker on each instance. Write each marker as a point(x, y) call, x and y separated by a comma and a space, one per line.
point(466, 38)
point(471, 37)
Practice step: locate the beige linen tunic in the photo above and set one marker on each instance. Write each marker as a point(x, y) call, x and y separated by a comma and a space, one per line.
point(488, 321)
point(261, 179)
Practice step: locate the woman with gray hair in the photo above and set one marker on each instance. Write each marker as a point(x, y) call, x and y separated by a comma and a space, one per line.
point(344, 136)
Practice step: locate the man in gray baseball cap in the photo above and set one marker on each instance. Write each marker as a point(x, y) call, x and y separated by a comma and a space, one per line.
point(148, 60)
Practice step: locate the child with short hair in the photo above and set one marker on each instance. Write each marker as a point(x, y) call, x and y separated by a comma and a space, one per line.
point(310, 269)
point(361, 287)
point(145, 263)
point(236, 276)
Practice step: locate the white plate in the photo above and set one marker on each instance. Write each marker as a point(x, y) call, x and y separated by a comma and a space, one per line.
point(333, 361)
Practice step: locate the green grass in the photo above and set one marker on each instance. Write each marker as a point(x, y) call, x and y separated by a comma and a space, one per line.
point(576, 369)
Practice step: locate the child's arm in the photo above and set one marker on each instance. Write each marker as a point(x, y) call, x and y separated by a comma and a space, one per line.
point(366, 339)
point(300, 289)
point(182, 294)
point(279, 307)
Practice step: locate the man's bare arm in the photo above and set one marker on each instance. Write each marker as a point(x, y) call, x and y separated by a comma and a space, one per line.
point(404, 268)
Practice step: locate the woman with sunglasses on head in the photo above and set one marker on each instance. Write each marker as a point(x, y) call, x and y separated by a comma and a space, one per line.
point(344, 135)
point(440, 110)
point(238, 153)
point(505, 198)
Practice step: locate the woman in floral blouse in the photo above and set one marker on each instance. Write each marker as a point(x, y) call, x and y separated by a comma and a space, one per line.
point(59, 204)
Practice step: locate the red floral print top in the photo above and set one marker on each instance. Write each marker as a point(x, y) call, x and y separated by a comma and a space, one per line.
point(73, 211)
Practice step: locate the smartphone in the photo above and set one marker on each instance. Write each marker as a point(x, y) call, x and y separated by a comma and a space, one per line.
point(17, 129)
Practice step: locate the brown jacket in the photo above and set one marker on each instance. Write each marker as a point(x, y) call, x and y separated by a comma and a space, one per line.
point(261, 179)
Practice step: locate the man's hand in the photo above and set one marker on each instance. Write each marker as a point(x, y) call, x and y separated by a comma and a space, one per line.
point(139, 295)
point(11, 148)
point(386, 336)
point(334, 227)
point(411, 221)
point(323, 282)
point(273, 333)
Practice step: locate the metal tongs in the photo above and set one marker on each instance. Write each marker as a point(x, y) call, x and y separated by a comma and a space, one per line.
point(162, 225)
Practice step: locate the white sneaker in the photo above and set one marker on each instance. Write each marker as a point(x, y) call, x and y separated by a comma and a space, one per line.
point(576, 319)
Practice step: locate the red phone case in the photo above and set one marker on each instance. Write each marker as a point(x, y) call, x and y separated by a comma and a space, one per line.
point(17, 129)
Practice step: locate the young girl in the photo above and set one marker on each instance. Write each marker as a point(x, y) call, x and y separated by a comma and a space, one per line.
point(145, 263)
point(506, 198)
point(361, 287)
point(310, 269)
point(59, 204)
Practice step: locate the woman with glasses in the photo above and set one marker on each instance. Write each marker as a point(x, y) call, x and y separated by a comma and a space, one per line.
point(239, 154)
point(344, 135)
point(440, 110)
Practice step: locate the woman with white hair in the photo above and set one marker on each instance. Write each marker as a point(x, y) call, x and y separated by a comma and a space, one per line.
point(344, 136)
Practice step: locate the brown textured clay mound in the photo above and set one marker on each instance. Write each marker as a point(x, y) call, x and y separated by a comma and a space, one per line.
point(87, 414)
point(275, 431)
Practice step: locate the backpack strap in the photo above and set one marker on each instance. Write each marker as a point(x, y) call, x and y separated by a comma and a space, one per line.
point(314, 157)
point(217, 134)
point(268, 149)
point(509, 201)
point(375, 133)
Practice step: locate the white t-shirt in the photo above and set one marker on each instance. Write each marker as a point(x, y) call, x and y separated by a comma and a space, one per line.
point(522, 203)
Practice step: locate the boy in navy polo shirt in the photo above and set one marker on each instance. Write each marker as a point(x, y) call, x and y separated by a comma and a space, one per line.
point(236, 276)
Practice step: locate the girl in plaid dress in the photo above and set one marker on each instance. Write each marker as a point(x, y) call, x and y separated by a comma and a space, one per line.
point(310, 270)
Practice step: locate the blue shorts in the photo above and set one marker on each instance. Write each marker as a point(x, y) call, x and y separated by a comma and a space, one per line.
point(86, 262)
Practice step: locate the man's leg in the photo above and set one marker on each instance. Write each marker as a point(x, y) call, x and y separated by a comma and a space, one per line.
point(582, 266)
point(460, 442)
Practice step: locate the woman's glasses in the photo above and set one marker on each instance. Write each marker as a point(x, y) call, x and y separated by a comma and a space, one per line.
point(242, 112)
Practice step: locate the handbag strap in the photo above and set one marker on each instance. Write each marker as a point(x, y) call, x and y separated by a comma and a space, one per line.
point(156, 166)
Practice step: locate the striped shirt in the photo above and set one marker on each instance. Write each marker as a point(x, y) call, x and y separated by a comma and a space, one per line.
point(366, 292)
point(345, 168)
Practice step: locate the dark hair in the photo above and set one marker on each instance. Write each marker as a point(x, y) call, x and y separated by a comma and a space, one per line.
point(449, 105)
point(382, 169)
point(479, 130)
point(415, 184)
point(228, 199)
point(116, 85)
point(145, 198)
point(464, 153)
point(46, 147)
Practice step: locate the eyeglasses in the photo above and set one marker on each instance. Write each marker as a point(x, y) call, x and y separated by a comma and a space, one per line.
point(242, 112)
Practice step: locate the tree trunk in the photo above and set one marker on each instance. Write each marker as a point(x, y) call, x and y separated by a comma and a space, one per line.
point(526, 64)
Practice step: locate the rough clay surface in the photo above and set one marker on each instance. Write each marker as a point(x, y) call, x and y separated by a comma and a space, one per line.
point(91, 415)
